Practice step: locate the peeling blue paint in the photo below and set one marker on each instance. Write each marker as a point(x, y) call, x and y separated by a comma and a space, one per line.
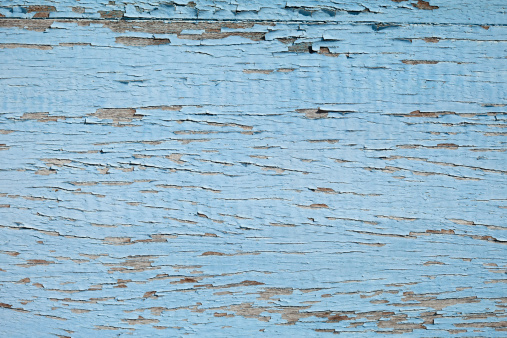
point(267, 168)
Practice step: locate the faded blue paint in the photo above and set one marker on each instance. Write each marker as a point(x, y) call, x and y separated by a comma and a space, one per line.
point(98, 211)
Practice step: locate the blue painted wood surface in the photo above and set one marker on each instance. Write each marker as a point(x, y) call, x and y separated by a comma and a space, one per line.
point(261, 168)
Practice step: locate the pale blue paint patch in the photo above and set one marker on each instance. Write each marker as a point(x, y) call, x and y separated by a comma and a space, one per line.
point(292, 177)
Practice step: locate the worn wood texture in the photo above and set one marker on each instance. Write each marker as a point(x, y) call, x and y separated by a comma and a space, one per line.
point(260, 168)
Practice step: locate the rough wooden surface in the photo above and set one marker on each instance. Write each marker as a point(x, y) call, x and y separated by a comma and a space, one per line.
point(260, 168)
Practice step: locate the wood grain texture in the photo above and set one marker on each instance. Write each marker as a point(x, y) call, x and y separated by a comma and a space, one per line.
point(261, 168)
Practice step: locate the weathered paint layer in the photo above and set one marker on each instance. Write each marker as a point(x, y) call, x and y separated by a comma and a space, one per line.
point(273, 168)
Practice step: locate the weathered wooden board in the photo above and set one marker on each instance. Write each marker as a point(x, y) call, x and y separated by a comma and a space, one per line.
point(260, 168)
